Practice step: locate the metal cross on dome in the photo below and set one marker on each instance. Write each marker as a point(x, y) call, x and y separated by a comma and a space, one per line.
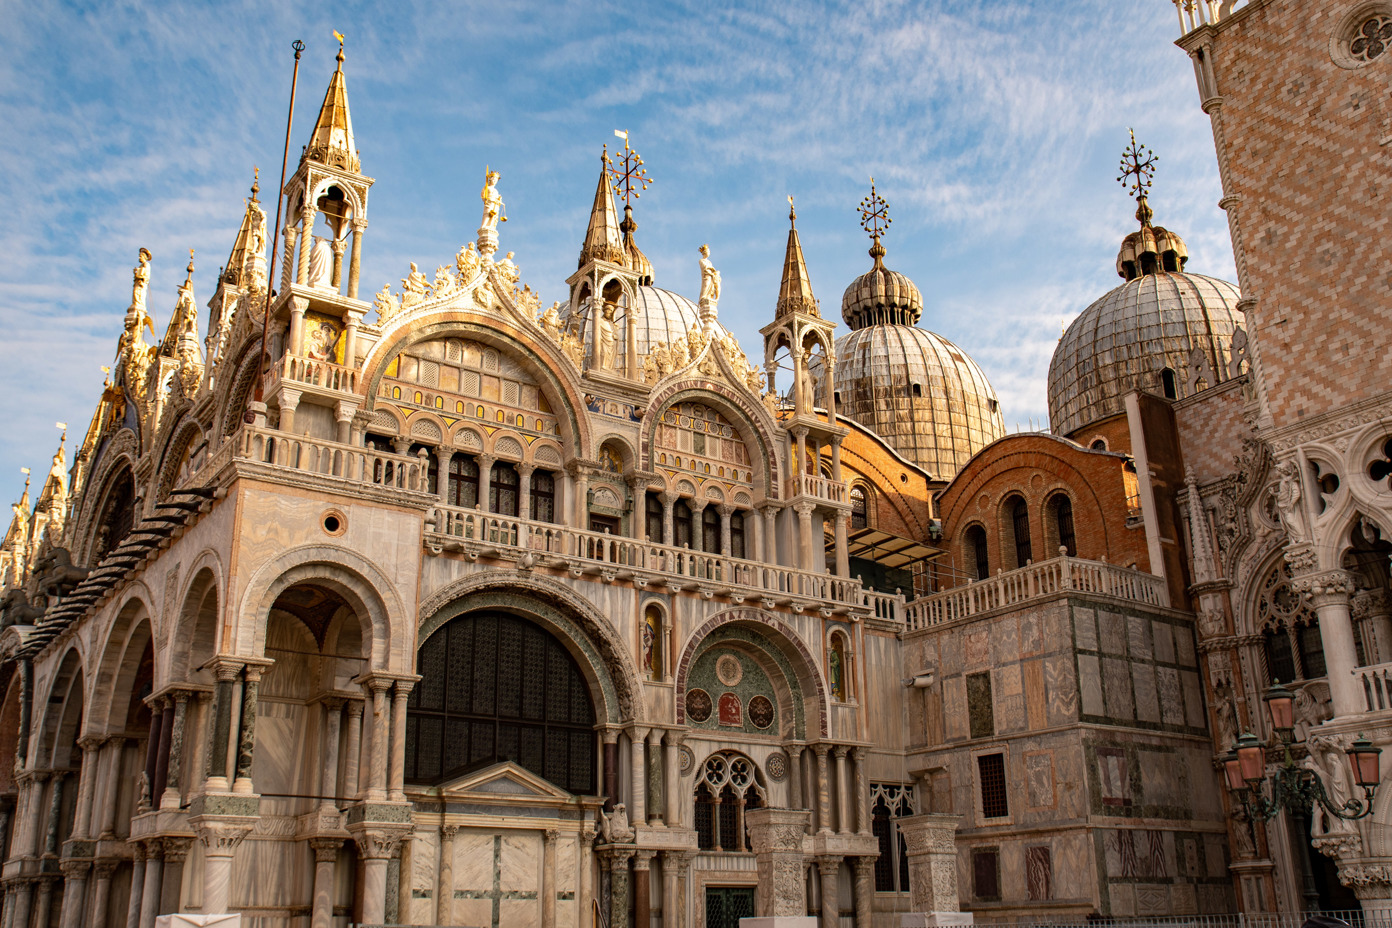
point(874, 213)
point(1137, 164)
point(629, 173)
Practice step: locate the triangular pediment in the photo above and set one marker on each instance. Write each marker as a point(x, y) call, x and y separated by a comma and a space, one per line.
point(503, 781)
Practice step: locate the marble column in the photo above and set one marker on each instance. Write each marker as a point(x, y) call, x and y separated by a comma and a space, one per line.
point(524, 490)
point(637, 811)
point(246, 742)
point(101, 893)
point(672, 768)
point(442, 466)
point(823, 790)
point(1329, 593)
point(343, 417)
point(174, 766)
point(375, 851)
point(548, 878)
point(306, 244)
point(843, 557)
point(175, 853)
point(610, 758)
point(582, 498)
point(671, 874)
point(770, 534)
point(137, 888)
point(74, 894)
point(587, 894)
point(835, 456)
point(325, 856)
point(795, 776)
point(844, 823)
point(655, 782)
point(485, 466)
point(44, 907)
point(444, 881)
point(401, 692)
point(864, 890)
point(698, 526)
point(86, 786)
point(378, 748)
point(354, 259)
point(154, 878)
point(220, 726)
point(642, 889)
point(352, 760)
point(931, 846)
point(287, 261)
point(862, 792)
point(725, 509)
point(669, 528)
point(619, 885)
point(298, 306)
point(328, 777)
point(827, 869)
point(805, 540)
point(220, 838)
point(336, 273)
point(147, 795)
point(111, 777)
point(55, 812)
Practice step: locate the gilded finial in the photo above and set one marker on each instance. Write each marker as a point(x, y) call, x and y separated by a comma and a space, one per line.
point(338, 35)
point(255, 183)
point(874, 219)
point(628, 177)
point(1137, 175)
point(190, 264)
point(792, 211)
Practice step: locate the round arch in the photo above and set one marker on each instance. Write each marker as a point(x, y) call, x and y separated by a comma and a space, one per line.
point(62, 710)
point(588, 634)
point(748, 421)
point(118, 665)
point(358, 581)
point(804, 665)
point(120, 455)
point(539, 359)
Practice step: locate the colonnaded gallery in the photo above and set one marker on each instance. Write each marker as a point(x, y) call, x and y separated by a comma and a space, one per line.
point(437, 606)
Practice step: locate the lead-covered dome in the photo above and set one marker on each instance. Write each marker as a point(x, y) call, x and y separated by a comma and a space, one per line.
point(1141, 336)
point(663, 317)
point(919, 392)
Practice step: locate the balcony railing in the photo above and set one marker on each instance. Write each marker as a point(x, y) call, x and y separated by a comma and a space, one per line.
point(350, 463)
point(833, 491)
point(1196, 13)
point(323, 374)
point(1046, 578)
point(1376, 683)
point(484, 533)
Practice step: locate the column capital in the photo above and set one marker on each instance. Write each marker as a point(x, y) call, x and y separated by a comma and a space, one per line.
point(106, 867)
point(1327, 587)
point(827, 866)
point(326, 849)
point(804, 509)
point(609, 735)
point(226, 668)
point(176, 849)
point(355, 708)
point(379, 843)
point(840, 750)
point(639, 733)
point(642, 858)
point(449, 831)
point(74, 868)
point(90, 744)
point(221, 836)
point(842, 517)
point(821, 750)
point(551, 835)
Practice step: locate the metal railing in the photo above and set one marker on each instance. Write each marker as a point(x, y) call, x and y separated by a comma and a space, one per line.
point(1009, 588)
point(598, 551)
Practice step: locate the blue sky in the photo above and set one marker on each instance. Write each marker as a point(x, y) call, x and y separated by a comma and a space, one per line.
point(993, 128)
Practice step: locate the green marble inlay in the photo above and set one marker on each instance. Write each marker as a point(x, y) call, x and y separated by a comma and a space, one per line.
point(754, 682)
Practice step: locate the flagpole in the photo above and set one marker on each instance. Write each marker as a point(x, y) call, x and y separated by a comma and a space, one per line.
point(274, 265)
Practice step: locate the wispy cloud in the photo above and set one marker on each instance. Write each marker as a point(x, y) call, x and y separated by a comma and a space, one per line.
point(993, 128)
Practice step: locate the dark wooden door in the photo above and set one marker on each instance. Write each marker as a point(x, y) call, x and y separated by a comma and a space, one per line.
point(726, 905)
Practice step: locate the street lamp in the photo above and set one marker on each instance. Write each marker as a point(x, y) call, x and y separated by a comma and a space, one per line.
point(1292, 786)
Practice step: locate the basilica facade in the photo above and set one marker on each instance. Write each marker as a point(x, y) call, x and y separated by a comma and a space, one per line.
point(436, 606)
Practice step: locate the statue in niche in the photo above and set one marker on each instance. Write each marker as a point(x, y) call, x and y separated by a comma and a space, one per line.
point(806, 386)
point(650, 635)
point(614, 827)
point(1288, 500)
point(710, 280)
point(492, 204)
point(836, 671)
point(413, 287)
point(605, 341)
point(386, 303)
point(321, 265)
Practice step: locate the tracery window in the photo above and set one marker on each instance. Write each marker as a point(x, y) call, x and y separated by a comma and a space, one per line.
point(1372, 39)
point(859, 509)
point(889, 801)
point(1290, 630)
point(543, 496)
point(729, 785)
point(496, 687)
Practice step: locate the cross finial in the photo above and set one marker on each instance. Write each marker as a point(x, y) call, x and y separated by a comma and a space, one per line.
point(628, 176)
point(874, 219)
point(1137, 175)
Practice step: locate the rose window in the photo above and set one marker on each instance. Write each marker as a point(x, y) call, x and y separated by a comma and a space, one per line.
point(1372, 38)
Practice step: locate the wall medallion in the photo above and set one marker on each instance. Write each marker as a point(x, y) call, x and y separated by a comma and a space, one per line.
point(698, 705)
point(761, 711)
point(688, 759)
point(731, 712)
point(728, 670)
point(777, 764)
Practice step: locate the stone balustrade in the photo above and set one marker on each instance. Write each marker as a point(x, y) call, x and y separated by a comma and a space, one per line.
point(817, 487)
point(1010, 588)
point(350, 463)
point(1196, 13)
point(325, 375)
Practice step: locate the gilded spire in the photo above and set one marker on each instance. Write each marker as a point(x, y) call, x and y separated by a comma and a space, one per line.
point(795, 293)
point(602, 236)
point(332, 141)
point(250, 244)
point(183, 324)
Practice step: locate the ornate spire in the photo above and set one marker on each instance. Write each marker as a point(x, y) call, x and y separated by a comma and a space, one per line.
point(602, 236)
point(795, 293)
point(630, 179)
point(248, 258)
point(185, 316)
point(332, 141)
point(1151, 249)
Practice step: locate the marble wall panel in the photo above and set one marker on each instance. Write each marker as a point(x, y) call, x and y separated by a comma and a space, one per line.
point(1162, 780)
point(1005, 640)
point(521, 862)
point(1193, 699)
point(268, 872)
point(1090, 682)
point(1085, 628)
point(955, 708)
point(949, 658)
point(1111, 632)
point(1039, 779)
point(1215, 856)
point(978, 649)
point(1171, 703)
point(1037, 714)
point(473, 861)
point(1061, 690)
point(1152, 899)
point(282, 755)
point(1164, 642)
point(1184, 646)
point(1147, 701)
point(1123, 898)
point(1074, 872)
point(1116, 684)
point(1138, 637)
point(1010, 700)
point(1031, 634)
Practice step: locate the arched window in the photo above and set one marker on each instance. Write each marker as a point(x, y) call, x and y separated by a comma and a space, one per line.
point(118, 514)
point(493, 688)
point(859, 508)
point(737, 534)
point(543, 496)
point(463, 482)
point(1099, 444)
point(977, 558)
point(652, 641)
point(890, 801)
point(710, 529)
point(1167, 382)
point(681, 517)
point(1018, 513)
point(502, 489)
point(1290, 630)
point(1062, 509)
point(729, 784)
point(653, 508)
